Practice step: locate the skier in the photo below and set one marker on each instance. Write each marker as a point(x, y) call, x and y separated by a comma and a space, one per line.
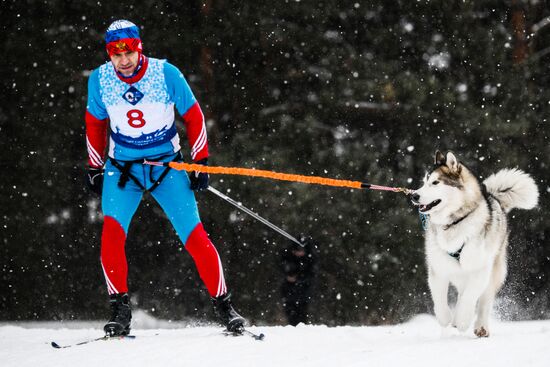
point(133, 97)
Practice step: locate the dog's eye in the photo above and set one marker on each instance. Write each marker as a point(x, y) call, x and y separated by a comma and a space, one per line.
point(435, 182)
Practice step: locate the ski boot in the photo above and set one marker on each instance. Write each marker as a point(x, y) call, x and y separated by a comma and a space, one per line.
point(227, 314)
point(121, 315)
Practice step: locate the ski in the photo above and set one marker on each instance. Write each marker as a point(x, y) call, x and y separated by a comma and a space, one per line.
point(242, 331)
point(57, 346)
point(239, 332)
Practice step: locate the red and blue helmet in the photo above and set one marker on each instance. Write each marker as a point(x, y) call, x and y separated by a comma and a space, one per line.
point(122, 36)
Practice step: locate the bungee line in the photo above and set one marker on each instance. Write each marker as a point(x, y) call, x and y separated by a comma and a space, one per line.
point(181, 166)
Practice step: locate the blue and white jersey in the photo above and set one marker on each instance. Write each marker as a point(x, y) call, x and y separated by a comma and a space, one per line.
point(141, 114)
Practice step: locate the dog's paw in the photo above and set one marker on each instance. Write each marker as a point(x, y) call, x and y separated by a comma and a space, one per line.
point(481, 332)
point(443, 316)
point(462, 323)
point(464, 316)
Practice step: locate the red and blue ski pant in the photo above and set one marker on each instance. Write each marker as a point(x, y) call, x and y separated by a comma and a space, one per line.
point(178, 202)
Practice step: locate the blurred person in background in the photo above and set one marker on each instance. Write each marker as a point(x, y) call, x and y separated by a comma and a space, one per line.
point(298, 266)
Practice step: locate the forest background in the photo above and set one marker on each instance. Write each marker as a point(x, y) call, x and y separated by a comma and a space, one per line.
point(360, 90)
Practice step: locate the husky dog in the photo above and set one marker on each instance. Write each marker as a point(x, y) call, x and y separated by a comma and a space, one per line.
point(467, 236)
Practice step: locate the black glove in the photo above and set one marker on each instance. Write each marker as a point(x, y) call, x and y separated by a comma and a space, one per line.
point(94, 180)
point(199, 180)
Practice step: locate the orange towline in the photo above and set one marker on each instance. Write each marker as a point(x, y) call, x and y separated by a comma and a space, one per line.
point(181, 166)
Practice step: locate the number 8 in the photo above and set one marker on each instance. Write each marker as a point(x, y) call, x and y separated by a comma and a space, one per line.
point(133, 116)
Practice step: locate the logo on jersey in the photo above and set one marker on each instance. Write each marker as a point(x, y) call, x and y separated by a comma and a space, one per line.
point(132, 96)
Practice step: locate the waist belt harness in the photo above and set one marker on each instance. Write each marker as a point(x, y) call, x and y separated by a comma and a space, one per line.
point(125, 166)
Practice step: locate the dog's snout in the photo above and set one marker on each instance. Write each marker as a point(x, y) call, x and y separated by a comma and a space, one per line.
point(415, 196)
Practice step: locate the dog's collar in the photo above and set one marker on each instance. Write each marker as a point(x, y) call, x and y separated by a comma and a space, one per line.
point(457, 253)
point(458, 220)
point(486, 196)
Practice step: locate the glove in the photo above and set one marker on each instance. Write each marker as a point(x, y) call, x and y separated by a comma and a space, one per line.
point(199, 180)
point(94, 180)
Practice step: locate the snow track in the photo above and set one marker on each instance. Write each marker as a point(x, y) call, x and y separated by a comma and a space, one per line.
point(419, 342)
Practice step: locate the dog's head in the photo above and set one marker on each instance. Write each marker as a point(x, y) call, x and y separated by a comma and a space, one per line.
point(443, 187)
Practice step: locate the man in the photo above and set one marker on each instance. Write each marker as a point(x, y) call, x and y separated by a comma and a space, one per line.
point(133, 97)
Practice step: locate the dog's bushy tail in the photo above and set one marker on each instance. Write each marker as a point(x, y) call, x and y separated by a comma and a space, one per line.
point(513, 188)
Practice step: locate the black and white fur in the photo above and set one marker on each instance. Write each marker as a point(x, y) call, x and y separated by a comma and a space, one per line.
point(467, 236)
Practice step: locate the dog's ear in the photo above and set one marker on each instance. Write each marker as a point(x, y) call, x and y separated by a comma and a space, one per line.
point(452, 162)
point(439, 159)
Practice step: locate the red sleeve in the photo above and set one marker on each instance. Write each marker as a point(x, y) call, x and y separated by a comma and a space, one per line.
point(196, 132)
point(96, 139)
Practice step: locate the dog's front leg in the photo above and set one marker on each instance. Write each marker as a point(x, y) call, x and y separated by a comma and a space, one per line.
point(439, 288)
point(468, 297)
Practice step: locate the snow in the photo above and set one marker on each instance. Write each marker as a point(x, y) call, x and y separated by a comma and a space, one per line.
point(419, 342)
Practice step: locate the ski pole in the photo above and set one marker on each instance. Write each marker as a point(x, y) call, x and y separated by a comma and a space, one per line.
point(180, 166)
point(251, 213)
